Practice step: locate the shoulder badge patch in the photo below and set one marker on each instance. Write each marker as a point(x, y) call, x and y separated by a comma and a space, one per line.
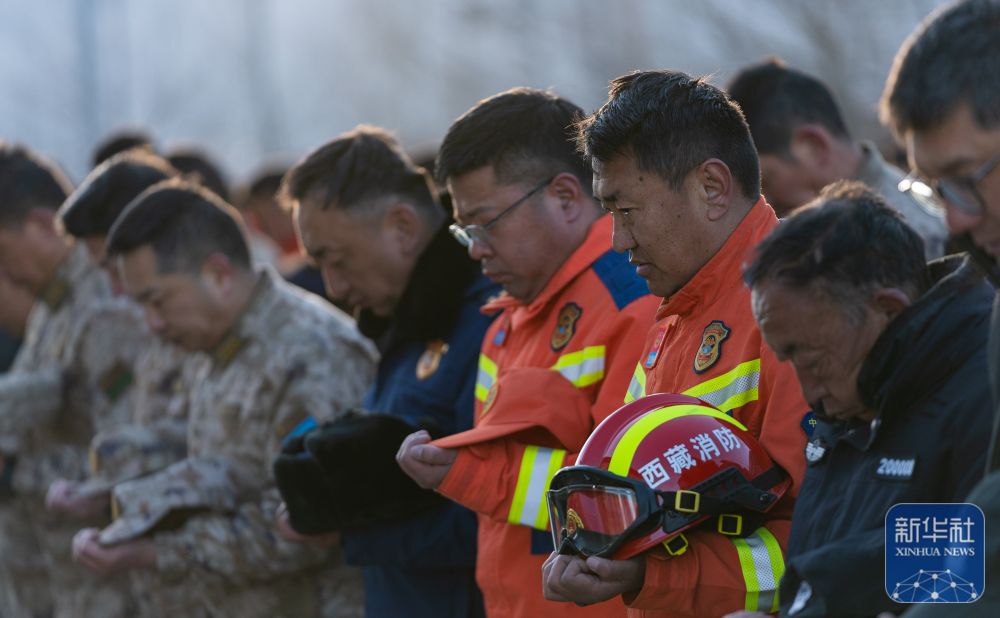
point(115, 381)
point(565, 326)
point(710, 349)
point(430, 360)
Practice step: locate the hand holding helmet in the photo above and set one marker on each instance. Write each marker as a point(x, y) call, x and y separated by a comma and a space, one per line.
point(655, 468)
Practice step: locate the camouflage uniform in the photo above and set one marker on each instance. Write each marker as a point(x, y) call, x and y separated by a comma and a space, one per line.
point(70, 378)
point(292, 360)
point(164, 379)
point(156, 434)
point(155, 439)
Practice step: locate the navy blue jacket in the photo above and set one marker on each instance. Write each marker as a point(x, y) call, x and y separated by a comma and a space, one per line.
point(8, 350)
point(425, 566)
point(926, 378)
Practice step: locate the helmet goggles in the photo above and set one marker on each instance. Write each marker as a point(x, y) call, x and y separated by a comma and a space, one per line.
point(594, 512)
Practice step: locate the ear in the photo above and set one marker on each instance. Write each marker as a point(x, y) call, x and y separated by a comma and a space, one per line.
point(572, 200)
point(715, 186)
point(812, 146)
point(890, 302)
point(403, 224)
point(218, 272)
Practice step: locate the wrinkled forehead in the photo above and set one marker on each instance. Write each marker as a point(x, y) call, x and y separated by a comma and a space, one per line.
point(331, 228)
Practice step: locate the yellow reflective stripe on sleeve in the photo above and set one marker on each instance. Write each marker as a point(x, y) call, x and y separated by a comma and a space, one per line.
point(538, 466)
point(637, 387)
point(485, 378)
point(582, 368)
point(763, 565)
point(732, 389)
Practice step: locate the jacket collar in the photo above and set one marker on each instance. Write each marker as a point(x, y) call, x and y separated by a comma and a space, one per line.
point(251, 322)
point(74, 268)
point(432, 301)
point(936, 328)
point(922, 346)
point(724, 271)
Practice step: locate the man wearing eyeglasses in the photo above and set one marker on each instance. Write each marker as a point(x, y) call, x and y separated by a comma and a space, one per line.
point(524, 208)
point(942, 99)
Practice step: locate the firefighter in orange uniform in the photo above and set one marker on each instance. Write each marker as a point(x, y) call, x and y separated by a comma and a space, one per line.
point(572, 306)
point(675, 165)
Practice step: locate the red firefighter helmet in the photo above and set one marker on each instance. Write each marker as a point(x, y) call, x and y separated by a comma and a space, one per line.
point(656, 467)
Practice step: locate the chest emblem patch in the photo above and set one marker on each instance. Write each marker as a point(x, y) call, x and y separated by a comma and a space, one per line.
point(710, 349)
point(654, 351)
point(815, 451)
point(430, 360)
point(565, 326)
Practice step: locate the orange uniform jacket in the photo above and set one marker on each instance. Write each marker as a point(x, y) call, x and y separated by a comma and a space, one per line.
point(705, 343)
point(588, 325)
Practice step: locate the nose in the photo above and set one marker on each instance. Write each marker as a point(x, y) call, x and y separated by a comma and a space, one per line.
point(336, 286)
point(621, 238)
point(479, 250)
point(812, 390)
point(960, 222)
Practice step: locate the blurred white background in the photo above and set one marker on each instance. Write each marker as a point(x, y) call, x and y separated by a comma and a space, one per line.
point(254, 81)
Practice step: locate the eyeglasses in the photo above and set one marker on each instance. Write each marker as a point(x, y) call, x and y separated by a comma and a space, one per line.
point(959, 191)
point(468, 234)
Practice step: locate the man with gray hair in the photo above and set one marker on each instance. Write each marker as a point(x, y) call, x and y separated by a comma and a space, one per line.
point(942, 99)
point(888, 353)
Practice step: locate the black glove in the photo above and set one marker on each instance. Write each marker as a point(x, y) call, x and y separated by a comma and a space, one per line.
point(344, 475)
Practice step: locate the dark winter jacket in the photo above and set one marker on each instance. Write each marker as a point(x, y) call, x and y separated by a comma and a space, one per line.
point(926, 378)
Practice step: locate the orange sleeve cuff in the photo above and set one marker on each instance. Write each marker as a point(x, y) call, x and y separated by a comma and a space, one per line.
point(477, 479)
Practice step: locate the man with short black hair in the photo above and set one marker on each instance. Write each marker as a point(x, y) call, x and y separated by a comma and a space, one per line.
point(942, 100)
point(87, 215)
point(281, 359)
point(887, 352)
point(804, 145)
point(572, 317)
point(71, 378)
point(675, 166)
point(372, 222)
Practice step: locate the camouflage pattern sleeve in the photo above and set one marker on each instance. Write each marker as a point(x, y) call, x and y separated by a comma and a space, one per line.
point(103, 348)
point(326, 384)
point(29, 399)
point(106, 356)
point(242, 547)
